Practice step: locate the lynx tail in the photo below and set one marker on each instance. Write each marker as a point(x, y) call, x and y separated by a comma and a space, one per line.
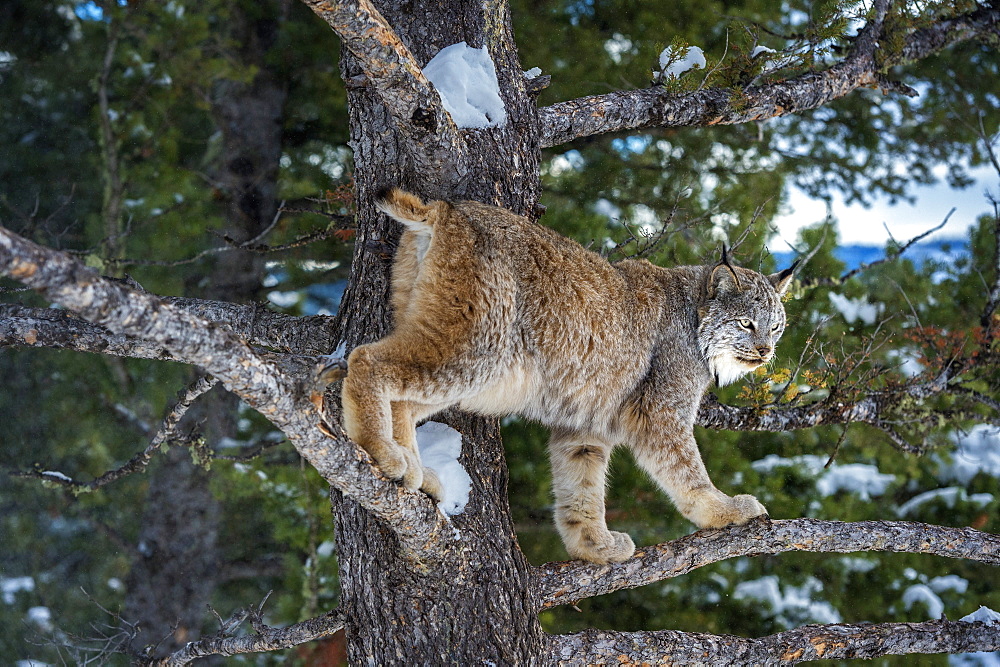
point(408, 209)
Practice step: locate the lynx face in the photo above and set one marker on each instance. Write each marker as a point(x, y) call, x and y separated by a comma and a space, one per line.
point(741, 324)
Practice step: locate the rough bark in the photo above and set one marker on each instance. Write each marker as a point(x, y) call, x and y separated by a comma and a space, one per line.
point(810, 642)
point(475, 604)
point(569, 582)
point(655, 107)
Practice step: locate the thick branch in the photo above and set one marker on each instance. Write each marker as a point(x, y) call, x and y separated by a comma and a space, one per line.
point(127, 311)
point(393, 72)
point(654, 107)
point(810, 642)
point(568, 582)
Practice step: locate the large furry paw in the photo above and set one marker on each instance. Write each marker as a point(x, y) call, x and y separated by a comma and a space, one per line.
point(612, 547)
point(399, 464)
point(432, 485)
point(746, 507)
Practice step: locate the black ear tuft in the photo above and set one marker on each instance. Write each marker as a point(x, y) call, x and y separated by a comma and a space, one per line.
point(783, 279)
point(723, 278)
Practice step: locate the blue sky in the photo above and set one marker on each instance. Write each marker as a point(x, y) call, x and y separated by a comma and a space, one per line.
point(867, 226)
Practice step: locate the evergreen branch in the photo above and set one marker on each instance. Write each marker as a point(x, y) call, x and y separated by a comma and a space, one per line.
point(568, 582)
point(261, 383)
point(391, 70)
point(654, 107)
point(838, 641)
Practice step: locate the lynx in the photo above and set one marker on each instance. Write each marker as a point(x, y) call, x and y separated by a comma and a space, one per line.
point(499, 315)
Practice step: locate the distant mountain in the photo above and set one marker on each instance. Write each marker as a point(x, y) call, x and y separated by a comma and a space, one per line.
point(944, 251)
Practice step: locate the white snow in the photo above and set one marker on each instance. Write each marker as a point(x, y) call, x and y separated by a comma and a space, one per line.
point(57, 475)
point(325, 549)
point(466, 80)
point(41, 617)
point(760, 49)
point(983, 615)
point(604, 207)
point(860, 478)
point(923, 593)
point(284, 299)
point(856, 309)
point(673, 63)
point(617, 45)
point(978, 451)
point(8, 587)
point(981, 659)
point(792, 605)
point(948, 582)
point(440, 446)
point(949, 495)
point(533, 72)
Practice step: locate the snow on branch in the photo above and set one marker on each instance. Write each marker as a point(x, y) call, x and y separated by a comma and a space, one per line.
point(124, 310)
point(811, 642)
point(569, 582)
point(655, 107)
point(392, 71)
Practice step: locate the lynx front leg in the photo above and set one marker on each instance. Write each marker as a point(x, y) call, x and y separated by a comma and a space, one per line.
point(367, 398)
point(579, 467)
point(675, 463)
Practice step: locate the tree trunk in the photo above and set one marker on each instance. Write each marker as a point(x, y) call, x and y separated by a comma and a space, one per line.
point(474, 604)
point(177, 568)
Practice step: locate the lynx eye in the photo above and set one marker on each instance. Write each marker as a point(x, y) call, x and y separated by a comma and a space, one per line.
point(776, 327)
point(747, 324)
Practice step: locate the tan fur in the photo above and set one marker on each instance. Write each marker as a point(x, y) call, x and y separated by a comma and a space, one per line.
point(499, 315)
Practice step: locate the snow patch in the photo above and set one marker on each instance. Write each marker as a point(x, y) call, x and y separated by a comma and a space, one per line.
point(983, 615)
point(440, 446)
point(923, 593)
point(56, 475)
point(13, 585)
point(949, 582)
point(949, 495)
point(856, 309)
point(466, 80)
point(792, 605)
point(859, 478)
point(978, 451)
point(673, 62)
point(533, 73)
point(41, 618)
point(757, 50)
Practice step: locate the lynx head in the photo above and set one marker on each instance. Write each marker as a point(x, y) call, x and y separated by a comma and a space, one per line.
point(741, 319)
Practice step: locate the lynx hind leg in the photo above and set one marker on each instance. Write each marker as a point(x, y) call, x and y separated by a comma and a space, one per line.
point(677, 467)
point(367, 405)
point(579, 468)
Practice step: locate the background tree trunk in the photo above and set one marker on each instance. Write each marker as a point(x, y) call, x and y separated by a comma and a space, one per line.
point(475, 604)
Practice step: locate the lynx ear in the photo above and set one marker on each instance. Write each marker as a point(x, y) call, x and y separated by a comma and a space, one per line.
point(723, 278)
point(783, 279)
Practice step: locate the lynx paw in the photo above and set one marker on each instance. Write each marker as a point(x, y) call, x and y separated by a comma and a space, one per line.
point(746, 507)
point(399, 464)
point(613, 547)
point(432, 485)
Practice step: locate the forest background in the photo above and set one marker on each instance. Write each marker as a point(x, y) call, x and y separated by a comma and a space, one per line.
point(124, 139)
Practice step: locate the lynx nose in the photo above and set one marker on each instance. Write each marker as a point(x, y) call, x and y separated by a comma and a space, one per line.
point(763, 351)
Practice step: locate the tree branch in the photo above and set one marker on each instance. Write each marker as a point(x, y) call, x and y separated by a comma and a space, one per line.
point(265, 639)
point(569, 582)
point(654, 107)
point(392, 71)
point(811, 642)
point(215, 348)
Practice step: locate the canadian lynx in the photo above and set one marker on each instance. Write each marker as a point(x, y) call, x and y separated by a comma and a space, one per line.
point(499, 315)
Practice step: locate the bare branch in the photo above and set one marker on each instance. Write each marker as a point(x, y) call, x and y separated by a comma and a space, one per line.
point(392, 71)
point(654, 107)
point(265, 639)
point(139, 462)
point(811, 642)
point(568, 582)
